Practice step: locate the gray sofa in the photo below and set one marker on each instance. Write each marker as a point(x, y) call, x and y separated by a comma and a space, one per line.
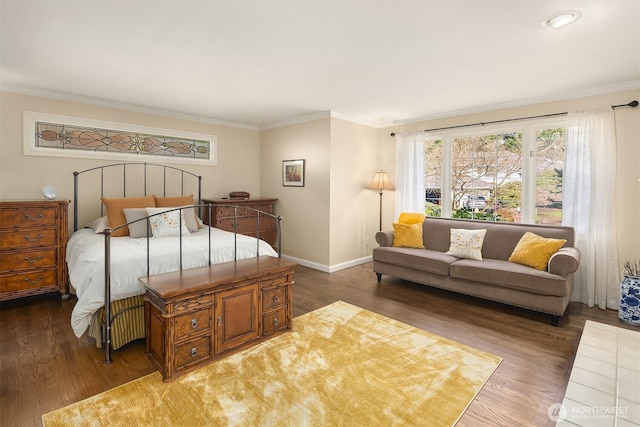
point(493, 277)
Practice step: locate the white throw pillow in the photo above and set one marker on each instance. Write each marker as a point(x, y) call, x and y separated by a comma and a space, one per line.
point(466, 243)
point(168, 223)
point(98, 225)
point(136, 229)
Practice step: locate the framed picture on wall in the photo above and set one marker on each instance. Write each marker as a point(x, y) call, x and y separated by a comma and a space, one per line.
point(293, 173)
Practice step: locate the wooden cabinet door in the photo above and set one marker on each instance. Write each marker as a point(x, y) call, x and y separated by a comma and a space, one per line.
point(237, 317)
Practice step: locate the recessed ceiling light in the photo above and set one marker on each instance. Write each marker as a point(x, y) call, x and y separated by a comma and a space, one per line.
point(560, 19)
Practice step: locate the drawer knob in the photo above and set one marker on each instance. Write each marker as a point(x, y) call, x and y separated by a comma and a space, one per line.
point(194, 323)
point(32, 239)
point(275, 298)
point(32, 260)
point(30, 218)
point(194, 352)
point(276, 322)
point(33, 282)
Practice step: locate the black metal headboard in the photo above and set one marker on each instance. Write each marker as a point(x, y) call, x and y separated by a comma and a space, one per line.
point(168, 173)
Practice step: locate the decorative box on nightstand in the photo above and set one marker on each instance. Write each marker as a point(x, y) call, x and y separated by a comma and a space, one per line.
point(33, 242)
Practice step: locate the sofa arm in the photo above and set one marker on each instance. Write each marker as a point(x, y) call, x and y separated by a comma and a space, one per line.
point(384, 238)
point(565, 261)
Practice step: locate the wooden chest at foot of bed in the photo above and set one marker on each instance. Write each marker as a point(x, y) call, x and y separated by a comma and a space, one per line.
point(196, 316)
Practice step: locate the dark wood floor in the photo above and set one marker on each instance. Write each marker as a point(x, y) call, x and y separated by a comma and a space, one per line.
point(43, 366)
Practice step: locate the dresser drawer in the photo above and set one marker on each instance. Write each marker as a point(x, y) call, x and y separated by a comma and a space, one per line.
point(192, 323)
point(31, 259)
point(19, 239)
point(223, 212)
point(275, 321)
point(245, 223)
point(27, 217)
point(192, 352)
point(274, 297)
point(25, 281)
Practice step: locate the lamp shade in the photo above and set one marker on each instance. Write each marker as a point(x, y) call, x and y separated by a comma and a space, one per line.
point(381, 182)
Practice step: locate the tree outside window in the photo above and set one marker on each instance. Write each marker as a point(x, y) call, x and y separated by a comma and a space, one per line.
point(486, 175)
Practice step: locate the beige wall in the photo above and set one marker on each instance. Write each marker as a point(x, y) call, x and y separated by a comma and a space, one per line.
point(22, 177)
point(354, 209)
point(627, 151)
point(305, 210)
point(330, 223)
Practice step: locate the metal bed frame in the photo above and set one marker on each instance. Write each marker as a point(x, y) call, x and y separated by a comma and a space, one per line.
point(108, 320)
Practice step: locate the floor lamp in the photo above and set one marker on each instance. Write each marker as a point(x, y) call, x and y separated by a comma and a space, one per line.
point(381, 182)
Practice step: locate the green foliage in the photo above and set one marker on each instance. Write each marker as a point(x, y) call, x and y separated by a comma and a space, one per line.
point(481, 215)
point(509, 195)
point(431, 209)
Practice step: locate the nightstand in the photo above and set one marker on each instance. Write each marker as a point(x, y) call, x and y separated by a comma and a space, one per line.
point(33, 242)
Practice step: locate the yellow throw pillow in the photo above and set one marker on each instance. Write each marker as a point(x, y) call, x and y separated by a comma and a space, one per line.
point(115, 212)
point(407, 235)
point(411, 218)
point(535, 251)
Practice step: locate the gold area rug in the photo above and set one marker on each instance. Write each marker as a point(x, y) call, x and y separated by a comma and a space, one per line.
point(341, 366)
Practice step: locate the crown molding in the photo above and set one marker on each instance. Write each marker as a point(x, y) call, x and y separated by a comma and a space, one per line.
point(601, 90)
point(297, 120)
point(317, 116)
point(363, 122)
point(44, 93)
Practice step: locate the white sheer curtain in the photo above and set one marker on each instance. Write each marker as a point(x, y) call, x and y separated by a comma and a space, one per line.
point(589, 205)
point(410, 173)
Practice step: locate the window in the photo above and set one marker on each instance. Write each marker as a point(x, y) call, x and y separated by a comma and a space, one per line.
point(510, 174)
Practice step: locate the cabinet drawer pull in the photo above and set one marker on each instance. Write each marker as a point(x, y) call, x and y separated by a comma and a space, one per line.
point(32, 260)
point(275, 298)
point(276, 322)
point(194, 352)
point(32, 239)
point(30, 218)
point(219, 321)
point(194, 323)
point(33, 282)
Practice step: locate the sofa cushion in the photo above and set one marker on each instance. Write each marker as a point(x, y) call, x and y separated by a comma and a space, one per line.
point(419, 259)
point(407, 235)
point(509, 275)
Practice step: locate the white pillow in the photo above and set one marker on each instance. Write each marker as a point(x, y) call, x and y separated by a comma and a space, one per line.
point(136, 229)
point(466, 243)
point(168, 223)
point(98, 225)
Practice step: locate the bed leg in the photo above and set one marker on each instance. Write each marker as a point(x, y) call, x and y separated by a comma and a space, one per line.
point(379, 275)
point(554, 320)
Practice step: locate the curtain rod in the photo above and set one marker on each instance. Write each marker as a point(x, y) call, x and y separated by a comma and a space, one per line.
point(632, 104)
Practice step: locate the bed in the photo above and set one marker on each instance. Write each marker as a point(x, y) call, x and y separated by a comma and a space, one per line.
point(105, 260)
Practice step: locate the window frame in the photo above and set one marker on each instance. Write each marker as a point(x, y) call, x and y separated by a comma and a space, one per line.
point(529, 129)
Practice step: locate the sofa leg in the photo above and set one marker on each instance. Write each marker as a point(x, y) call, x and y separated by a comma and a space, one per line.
point(554, 320)
point(379, 277)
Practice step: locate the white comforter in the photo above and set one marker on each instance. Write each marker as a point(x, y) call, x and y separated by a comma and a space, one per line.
point(85, 259)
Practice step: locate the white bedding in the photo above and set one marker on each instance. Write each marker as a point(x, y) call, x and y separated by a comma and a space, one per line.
point(85, 259)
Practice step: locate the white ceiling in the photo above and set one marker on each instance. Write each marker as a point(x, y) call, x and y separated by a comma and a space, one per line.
point(264, 62)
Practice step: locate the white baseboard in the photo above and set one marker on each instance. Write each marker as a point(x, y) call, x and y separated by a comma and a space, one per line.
point(328, 268)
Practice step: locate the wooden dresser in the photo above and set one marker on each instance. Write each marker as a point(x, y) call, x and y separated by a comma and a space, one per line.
point(222, 217)
point(33, 242)
point(199, 315)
